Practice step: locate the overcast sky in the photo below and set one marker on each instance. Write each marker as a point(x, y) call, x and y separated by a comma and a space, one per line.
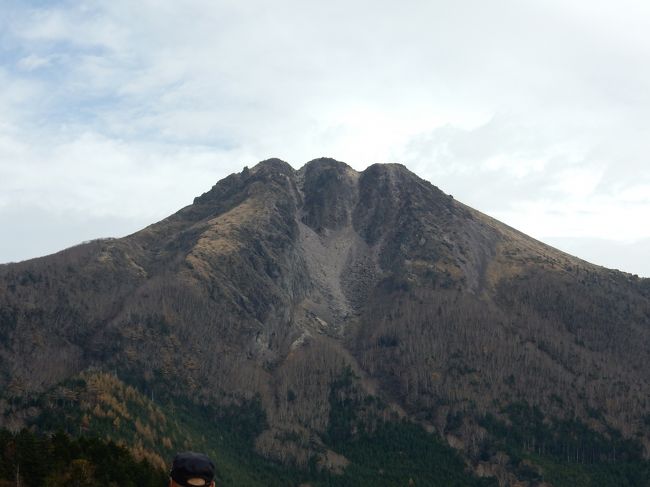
point(116, 113)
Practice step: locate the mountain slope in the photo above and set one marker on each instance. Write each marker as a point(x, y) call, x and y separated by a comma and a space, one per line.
point(277, 283)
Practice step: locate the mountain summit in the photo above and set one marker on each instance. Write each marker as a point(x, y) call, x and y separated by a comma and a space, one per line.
point(337, 300)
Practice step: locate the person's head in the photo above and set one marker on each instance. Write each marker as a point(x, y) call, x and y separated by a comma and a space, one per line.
point(191, 469)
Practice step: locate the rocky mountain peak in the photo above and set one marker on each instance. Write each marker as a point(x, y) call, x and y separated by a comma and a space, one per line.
point(314, 288)
point(273, 165)
point(331, 192)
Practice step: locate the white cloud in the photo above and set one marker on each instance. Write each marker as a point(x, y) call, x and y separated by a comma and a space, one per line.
point(32, 62)
point(107, 177)
point(578, 182)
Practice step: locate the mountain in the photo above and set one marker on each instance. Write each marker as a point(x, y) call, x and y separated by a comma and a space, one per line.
point(335, 303)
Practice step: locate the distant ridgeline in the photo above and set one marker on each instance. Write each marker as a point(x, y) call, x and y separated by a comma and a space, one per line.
point(327, 327)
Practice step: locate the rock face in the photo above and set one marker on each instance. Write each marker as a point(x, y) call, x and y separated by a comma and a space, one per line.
point(276, 281)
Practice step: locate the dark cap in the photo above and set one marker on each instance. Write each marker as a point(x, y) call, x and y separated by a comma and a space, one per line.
point(189, 465)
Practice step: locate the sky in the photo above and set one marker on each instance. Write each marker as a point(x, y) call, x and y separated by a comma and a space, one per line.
point(115, 114)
